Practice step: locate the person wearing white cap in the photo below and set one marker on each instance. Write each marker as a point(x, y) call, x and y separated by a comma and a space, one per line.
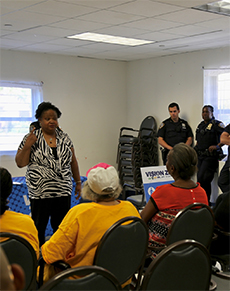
point(78, 235)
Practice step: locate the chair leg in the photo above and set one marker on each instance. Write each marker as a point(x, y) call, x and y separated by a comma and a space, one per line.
point(212, 285)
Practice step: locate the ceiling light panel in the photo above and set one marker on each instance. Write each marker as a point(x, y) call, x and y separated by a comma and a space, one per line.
point(110, 39)
point(219, 7)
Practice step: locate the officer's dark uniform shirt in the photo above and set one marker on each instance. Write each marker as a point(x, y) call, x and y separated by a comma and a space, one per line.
point(174, 132)
point(208, 134)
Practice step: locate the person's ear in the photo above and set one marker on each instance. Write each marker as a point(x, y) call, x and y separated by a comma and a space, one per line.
point(19, 277)
point(171, 169)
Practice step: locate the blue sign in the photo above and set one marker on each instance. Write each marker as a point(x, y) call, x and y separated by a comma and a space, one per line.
point(153, 177)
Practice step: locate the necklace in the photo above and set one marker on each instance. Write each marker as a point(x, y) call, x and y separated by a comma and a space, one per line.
point(51, 140)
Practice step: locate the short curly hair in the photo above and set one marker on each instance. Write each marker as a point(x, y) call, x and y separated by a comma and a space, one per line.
point(44, 106)
point(184, 159)
point(88, 194)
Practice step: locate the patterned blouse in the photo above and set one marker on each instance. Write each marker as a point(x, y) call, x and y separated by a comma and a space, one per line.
point(49, 172)
point(169, 200)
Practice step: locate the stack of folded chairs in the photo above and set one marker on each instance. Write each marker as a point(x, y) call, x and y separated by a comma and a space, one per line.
point(136, 149)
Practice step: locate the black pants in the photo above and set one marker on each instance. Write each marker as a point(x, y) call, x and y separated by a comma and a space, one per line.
point(53, 208)
point(164, 154)
point(207, 167)
point(224, 178)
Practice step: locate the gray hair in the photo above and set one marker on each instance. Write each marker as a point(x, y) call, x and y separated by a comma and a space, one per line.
point(184, 159)
point(88, 194)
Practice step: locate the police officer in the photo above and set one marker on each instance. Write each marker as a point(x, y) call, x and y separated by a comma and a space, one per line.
point(208, 147)
point(173, 131)
point(224, 178)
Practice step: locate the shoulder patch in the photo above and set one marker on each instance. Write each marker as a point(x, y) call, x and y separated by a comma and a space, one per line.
point(162, 125)
point(221, 125)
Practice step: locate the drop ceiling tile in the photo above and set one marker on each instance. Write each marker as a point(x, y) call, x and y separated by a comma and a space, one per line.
point(189, 30)
point(158, 36)
point(152, 24)
point(124, 31)
point(63, 9)
point(32, 19)
point(219, 23)
point(149, 9)
point(184, 3)
point(110, 17)
point(190, 16)
point(30, 37)
point(11, 44)
point(100, 4)
point(52, 31)
point(79, 25)
point(8, 6)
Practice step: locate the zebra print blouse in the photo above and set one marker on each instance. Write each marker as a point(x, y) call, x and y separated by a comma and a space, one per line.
point(47, 177)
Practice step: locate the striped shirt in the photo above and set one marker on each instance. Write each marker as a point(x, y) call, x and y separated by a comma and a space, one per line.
point(48, 176)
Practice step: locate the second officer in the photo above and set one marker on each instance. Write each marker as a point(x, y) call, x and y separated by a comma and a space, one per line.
point(208, 148)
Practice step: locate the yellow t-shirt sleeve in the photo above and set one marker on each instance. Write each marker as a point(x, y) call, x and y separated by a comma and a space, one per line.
point(61, 245)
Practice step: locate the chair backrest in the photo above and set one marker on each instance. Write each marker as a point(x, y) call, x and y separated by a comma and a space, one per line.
point(19, 251)
point(122, 249)
point(184, 265)
point(148, 127)
point(95, 278)
point(196, 221)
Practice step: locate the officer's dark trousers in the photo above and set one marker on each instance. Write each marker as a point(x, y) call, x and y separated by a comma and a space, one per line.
point(224, 178)
point(43, 209)
point(207, 167)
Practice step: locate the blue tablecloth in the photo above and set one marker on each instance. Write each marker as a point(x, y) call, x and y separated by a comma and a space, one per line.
point(19, 199)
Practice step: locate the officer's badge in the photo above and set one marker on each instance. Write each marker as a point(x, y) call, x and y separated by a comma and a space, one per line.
point(162, 125)
point(209, 126)
point(221, 125)
point(183, 126)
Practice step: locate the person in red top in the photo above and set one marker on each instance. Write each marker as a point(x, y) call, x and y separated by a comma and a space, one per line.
point(167, 200)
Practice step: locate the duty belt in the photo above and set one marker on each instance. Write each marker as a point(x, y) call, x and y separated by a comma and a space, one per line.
point(206, 153)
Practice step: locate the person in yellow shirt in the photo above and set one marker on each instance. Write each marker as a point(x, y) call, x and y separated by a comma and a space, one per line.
point(77, 237)
point(10, 221)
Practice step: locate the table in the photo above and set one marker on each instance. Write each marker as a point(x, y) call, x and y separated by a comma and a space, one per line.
point(19, 199)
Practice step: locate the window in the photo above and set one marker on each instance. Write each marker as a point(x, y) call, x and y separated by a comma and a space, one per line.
point(217, 94)
point(18, 103)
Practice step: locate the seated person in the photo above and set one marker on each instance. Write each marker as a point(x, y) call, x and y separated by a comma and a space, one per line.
point(12, 277)
point(77, 237)
point(167, 200)
point(221, 211)
point(10, 221)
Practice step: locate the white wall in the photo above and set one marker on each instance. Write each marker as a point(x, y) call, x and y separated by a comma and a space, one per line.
point(98, 97)
point(155, 83)
point(90, 93)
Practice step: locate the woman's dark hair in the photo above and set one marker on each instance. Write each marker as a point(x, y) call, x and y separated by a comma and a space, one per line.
point(5, 189)
point(208, 106)
point(44, 106)
point(184, 159)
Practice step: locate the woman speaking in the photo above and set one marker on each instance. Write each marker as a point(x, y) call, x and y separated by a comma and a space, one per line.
point(49, 156)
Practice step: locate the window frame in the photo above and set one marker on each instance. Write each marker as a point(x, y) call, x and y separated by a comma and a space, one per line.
point(210, 95)
point(36, 99)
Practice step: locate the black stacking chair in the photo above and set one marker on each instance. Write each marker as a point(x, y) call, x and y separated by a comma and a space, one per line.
point(184, 265)
point(196, 221)
point(222, 242)
point(91, 278)
point(122, 249)
point(19, 251)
